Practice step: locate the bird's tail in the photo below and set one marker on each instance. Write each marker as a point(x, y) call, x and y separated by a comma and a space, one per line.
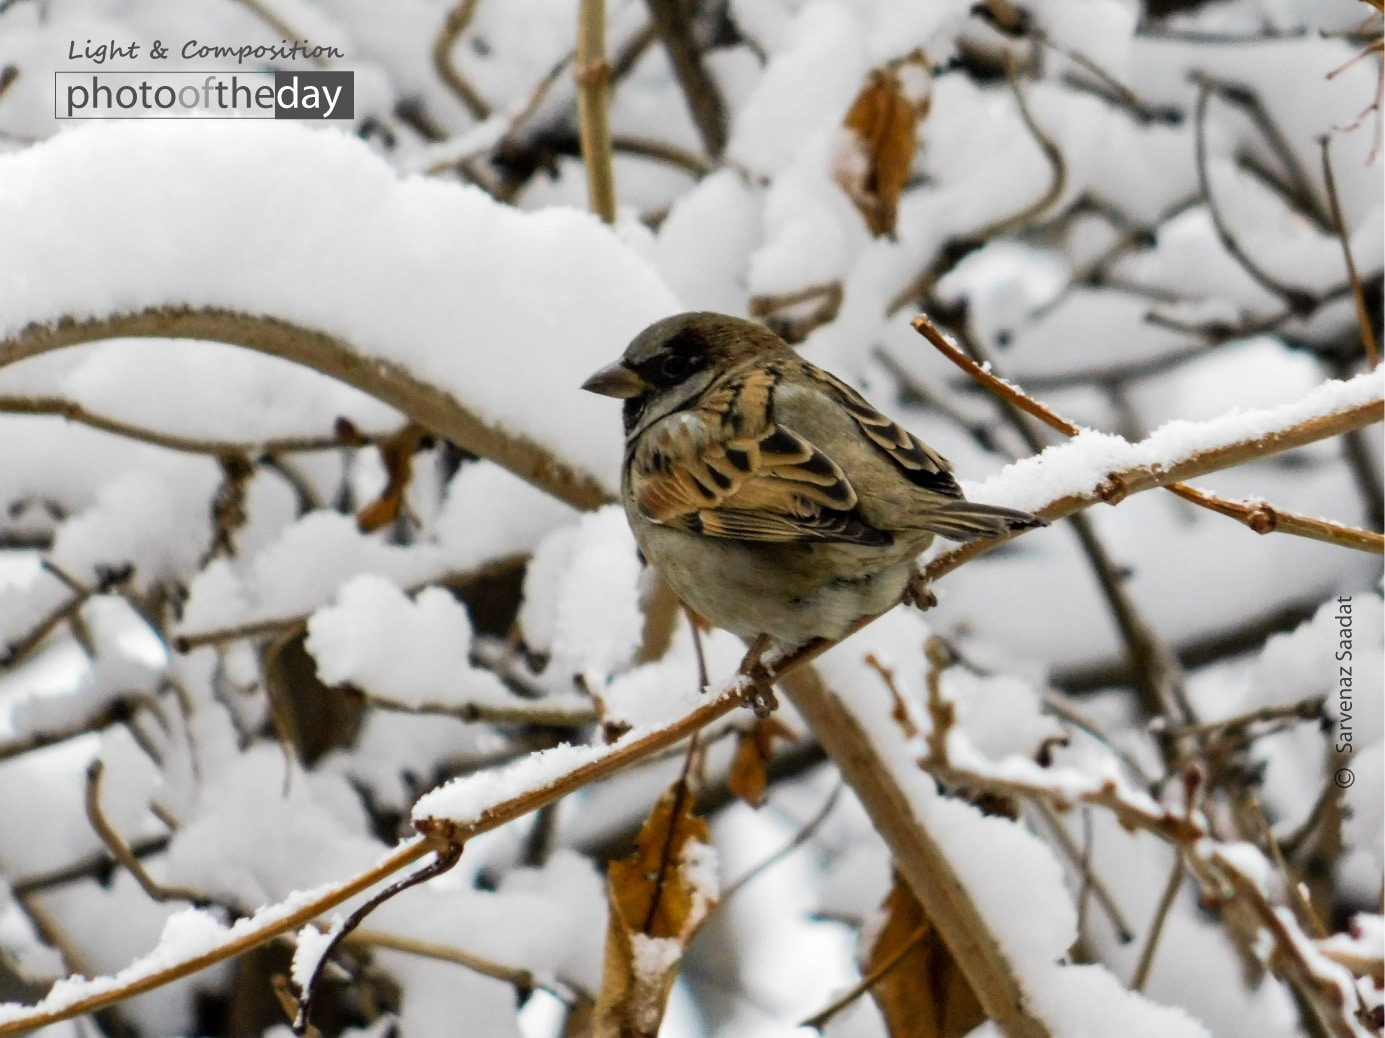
point(969, 520)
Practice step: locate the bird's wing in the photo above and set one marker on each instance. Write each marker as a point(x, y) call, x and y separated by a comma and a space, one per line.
point(920, 463)
point(723, 468)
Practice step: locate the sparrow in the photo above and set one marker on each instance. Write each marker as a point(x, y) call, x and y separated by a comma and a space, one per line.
point(768, 493)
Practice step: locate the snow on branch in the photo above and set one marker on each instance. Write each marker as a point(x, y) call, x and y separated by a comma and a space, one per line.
point(478, 320)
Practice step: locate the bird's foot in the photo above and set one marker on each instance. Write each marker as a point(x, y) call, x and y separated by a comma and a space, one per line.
point(759, 693)
point(919, 593)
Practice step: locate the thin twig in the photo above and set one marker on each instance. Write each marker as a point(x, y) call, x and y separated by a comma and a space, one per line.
point(1092, 884)
point(1156, 928)
point(1358, 291)
point(120, 850)
point(1263, 518)
point(705, 104)
point(432, 407)
point(89, 867)
point(520, 712)
point(1058, 167)
point(820, 1019)
point(115, 711)
point(1120, 485)
point(593, 107)
point(522, 979)
point(456, 22)
point(804, 834)
point(661, 151)
point(278, 625)
point(1304, 710)
point(1157, 676)
point(445, 858)
point(1299, 300)
point(13, 653)
point(75, 412)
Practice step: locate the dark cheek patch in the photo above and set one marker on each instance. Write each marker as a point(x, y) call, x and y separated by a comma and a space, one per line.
point(631, 412)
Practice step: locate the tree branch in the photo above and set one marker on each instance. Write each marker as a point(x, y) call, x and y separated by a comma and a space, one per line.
point(593, 74)
point(433, 408)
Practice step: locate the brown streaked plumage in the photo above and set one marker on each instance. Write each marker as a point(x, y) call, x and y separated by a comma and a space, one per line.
point(770, 495)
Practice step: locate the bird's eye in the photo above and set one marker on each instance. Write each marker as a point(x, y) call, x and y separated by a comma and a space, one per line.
point(675, 367)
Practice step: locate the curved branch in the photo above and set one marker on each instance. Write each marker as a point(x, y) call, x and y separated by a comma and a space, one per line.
point(251, 935)
point(1119, 485)
point(433, 408)
point(458, 18)
point(73, 411)
point(1261, 517)
point(1299, 300)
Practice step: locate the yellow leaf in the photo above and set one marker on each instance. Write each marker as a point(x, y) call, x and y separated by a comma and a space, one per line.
point(659, 896)
point(397, 453)
point(748, 777)
point(921, 991)
point(879, 139)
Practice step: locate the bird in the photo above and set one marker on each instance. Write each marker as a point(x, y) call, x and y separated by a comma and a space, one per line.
point(770, 495)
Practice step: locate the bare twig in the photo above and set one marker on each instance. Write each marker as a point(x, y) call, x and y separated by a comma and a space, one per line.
point(1299, 300)
point(120, 850)
point(519, 712)
point(456, 22)
point(804, 834)
point(278, 625)
point(445, 858)
point(1120, 485)
point(823, 1016)
point(75, 412)
point(1358, 292)
point(688, 161)
point(13, 653)
point(1272, 716)
point(115, 711)
point(705, 104)
point(593, 107)
point(431, 407)
point(520, 978)
point(1156, 928)
point(1058, 167)
point(1091, 882)
point(1261, 517)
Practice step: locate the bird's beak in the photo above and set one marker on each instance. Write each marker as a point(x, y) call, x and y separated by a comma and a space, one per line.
point(616, 380)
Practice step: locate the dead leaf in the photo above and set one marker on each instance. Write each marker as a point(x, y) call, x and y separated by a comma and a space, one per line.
point(754, 748)
point(658, 898)
point(880, 137)
point(397, 453)
point(924, 993)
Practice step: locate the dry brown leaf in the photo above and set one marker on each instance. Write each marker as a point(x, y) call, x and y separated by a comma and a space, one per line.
point(924, 994)
point(748, 777)
point(397, 453)
point(879, 138)
point(659, 896)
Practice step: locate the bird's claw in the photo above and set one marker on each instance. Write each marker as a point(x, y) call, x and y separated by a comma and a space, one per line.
point(919, 593)
point(758, 694)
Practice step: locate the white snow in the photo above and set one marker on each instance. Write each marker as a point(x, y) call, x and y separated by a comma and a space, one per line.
point(415, 653)
point(544, 298)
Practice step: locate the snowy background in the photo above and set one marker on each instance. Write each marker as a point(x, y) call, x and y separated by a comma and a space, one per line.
point(307, 516)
